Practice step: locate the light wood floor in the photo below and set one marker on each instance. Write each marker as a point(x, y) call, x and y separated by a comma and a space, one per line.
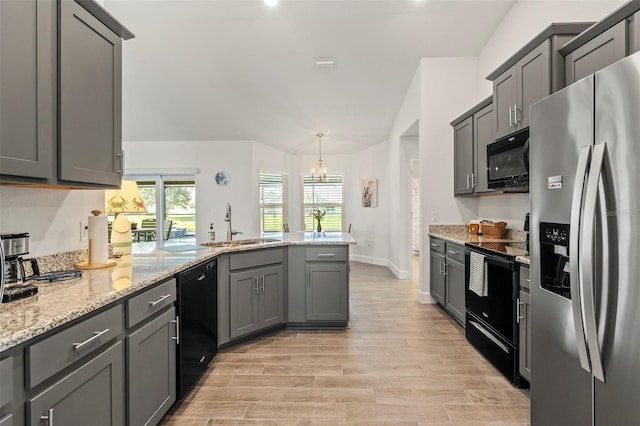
point(399, 362)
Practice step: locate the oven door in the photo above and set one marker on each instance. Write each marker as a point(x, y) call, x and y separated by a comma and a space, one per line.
point(498, 308)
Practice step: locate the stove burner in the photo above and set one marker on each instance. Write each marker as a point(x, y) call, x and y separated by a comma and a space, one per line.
point(57, 275)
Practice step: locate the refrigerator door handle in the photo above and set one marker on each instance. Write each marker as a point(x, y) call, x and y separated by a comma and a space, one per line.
point(588, 259)
point(574, 254)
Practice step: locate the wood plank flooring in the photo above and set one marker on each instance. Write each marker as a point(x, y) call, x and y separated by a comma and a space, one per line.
point(399, 362)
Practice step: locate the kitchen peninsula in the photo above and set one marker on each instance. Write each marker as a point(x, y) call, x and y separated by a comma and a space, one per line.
point(84, 333)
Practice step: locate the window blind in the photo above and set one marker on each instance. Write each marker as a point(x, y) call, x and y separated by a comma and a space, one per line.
point(274, 201)
point(326, 196)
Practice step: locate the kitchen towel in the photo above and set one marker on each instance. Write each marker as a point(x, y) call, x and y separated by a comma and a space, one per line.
point(98, 240)
point(478, 275)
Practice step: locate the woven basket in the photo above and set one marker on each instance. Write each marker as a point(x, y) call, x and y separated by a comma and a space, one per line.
point(494, 230)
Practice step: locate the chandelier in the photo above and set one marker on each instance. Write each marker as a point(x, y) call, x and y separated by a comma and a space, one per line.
point(319, 172)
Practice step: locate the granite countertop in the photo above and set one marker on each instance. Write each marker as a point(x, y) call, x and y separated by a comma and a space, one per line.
point(60, 302)
point(513, 244)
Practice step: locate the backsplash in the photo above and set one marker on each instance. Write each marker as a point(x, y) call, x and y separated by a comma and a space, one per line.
point(511, 234)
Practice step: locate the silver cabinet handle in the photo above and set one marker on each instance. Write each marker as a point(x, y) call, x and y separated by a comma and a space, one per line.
point(518, 310)
point(159, 300)
point(587, 264)
point(202, 277)
point(326, 254)
point(262, 288)
point(177, 323)
point(445, 268)
point(515, 114)
point(48, 417)
point(473, 178)
point(453, 252)
point(121, 157)
point(434, 245)
point(95, 336)
point(257, 284)
point(440, 271)
point(574, 254)
point(467, 180)
point(510, 123)
point(528, 280)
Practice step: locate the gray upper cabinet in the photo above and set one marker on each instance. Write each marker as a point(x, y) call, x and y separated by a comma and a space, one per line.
point(90, 99)
point(531, 74)
point(473, 131)
point(151, 364)
point(463, 157)
point(527, 82)
point(93, 394)
point(60, 94)
point(483, 135)
point(27, 88)
point(599, 52)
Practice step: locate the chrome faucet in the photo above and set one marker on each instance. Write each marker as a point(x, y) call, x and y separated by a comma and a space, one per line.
point(227, 218)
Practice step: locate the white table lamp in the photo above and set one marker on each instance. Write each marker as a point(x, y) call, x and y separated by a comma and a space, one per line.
point(127, 199)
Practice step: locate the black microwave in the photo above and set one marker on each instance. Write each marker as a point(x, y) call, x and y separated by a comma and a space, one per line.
point(508, 163)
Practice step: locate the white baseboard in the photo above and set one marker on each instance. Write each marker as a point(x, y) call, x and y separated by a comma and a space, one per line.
point(401, 274)
point(425, 297)
point(369, 260)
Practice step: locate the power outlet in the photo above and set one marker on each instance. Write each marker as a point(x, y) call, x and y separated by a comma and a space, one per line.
point(84, 231)
point(435, 216)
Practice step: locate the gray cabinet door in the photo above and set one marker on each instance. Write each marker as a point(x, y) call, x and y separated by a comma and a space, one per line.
point(504, 99)
point(244, 308)
point(93, 394)
point(463, 157)
point(596, 54)
point(327, 292)
point(484, 133)
point(27, 88)
point(524, 320)
point(438, 285)
point(151, 361)
point(272, 295)
point(634, 34)
point(533, 78)
point(455, 292)
point(90, 83)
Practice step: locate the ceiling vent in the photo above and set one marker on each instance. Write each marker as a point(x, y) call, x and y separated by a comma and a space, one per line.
point(324, 64)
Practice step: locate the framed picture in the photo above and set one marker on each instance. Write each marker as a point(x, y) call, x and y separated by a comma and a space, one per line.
point(223, 178)
point(370, 192)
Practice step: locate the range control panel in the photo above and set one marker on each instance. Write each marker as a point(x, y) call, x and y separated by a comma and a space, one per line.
point(554, 233)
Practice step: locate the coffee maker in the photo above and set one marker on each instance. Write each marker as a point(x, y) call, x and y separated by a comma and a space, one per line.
point(12, 283)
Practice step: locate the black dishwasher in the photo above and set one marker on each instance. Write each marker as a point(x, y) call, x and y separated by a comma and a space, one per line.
point(198, 323)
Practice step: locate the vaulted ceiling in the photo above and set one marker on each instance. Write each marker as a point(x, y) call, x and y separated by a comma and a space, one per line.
point(240, 70)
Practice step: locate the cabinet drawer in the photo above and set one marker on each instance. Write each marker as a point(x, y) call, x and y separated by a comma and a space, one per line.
point(326, 254)
point(252, 259)
point(455, 252)
point(437, 245)
point(49, 356)
point(151, 301)
point(524, 277)
point(6, 381)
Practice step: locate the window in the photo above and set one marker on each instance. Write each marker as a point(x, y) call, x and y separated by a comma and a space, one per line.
point(171, 210)
point(274, 201)
point(326, 196)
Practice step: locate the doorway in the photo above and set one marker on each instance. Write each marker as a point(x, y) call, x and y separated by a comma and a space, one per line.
point(411, 148)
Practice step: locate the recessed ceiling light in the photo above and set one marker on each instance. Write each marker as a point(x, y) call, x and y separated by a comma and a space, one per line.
point(271, 2)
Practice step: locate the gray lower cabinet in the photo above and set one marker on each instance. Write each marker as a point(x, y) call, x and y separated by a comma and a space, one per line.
point(27, 88)
point(6, 381)
point(447, 277)
point(327, 292)
point(256, 300)
point(524, 325)
point(151, 364)
point(92, 394)
point(597, 53)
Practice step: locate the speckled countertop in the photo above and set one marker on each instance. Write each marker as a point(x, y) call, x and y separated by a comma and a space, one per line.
point(60, 302)
point(514, 242)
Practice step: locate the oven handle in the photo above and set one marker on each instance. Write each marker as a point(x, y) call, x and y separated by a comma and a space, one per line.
point(503, 263)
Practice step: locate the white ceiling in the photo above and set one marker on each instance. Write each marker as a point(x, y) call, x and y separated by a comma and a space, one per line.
point(239, 70)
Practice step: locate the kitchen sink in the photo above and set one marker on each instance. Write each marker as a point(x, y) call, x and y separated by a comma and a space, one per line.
point(235, 243)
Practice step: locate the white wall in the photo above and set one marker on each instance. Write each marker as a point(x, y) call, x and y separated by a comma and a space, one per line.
point(51, 216)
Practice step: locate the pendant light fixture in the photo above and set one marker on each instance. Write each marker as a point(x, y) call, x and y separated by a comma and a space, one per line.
point(319, 173)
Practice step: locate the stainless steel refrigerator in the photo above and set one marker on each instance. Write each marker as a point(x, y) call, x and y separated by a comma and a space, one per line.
point(585, 251)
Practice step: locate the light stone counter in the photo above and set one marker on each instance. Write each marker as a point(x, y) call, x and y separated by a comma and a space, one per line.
point(60, 302)
point(459, 234)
